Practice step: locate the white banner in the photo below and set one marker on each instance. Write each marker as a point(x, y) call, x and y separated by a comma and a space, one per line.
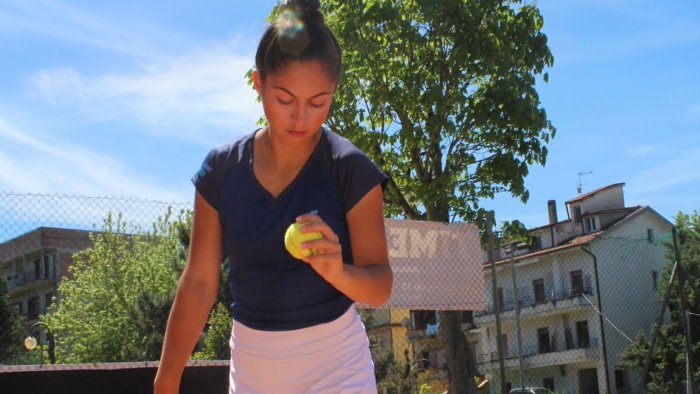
point(437, 266)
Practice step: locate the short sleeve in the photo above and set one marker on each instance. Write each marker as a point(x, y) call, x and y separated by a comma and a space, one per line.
point(361, 175)
point(207, 179)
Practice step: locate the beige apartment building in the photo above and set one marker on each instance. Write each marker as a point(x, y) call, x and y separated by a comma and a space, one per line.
point(34, 263)
point(604, 257)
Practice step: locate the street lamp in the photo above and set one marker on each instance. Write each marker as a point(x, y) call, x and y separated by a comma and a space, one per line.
point(30, 342)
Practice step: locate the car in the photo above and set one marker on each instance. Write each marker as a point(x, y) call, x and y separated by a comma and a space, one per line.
point(530, 390)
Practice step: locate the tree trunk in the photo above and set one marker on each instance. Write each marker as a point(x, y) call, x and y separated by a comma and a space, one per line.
point(460, 367)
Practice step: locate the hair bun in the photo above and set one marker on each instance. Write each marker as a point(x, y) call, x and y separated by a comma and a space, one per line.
point(303, 5)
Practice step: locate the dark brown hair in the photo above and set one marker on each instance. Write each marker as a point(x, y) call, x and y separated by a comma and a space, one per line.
point(300, 34)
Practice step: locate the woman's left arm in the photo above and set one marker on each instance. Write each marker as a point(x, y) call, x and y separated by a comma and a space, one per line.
point(369, 279)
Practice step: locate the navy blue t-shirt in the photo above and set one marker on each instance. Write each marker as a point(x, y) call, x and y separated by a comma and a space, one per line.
point(271, 289)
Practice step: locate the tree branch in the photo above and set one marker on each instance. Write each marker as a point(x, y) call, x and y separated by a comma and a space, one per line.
point(408, 209)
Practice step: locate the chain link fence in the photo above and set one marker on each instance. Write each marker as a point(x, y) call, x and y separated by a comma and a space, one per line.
point(573, 311)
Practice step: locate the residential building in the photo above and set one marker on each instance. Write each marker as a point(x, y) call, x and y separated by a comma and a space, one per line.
point(415, 334)
point(604, 257)
point(387, 330)
point(34, 263)
point(424, 341)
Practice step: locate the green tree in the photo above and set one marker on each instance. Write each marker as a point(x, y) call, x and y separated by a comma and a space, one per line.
point(150, 314)
point(393, 376)
point(667, 365)
point(116, 290)
point(444, 100)
point(215, 343)
point(10, 326)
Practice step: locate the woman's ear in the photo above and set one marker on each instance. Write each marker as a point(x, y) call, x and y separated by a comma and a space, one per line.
point(257, 82)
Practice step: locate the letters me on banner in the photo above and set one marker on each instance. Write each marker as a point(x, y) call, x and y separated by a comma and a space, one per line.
point(437, 266)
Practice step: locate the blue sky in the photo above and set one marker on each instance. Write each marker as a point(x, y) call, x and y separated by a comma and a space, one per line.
point(103, 98)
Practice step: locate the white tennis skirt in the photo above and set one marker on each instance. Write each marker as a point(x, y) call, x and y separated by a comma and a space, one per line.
point(327, 358)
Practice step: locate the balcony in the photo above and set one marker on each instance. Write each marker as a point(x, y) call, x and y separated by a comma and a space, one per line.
point(554, 300)
point(557, 353)
point(26, 281)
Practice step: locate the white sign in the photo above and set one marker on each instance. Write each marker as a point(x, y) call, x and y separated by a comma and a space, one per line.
point(437, 266)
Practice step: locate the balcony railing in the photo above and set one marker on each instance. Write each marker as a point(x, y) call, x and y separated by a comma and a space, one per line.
point(530, 351)
point(24, 279)
point(526, 297)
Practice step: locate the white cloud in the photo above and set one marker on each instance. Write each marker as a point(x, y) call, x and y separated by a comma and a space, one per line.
point(178, 96)
point(40, 164)
point(69, 23)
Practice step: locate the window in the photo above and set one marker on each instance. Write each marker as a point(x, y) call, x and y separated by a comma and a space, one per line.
point(421, 319)
point(504, 343)
point(543, 340)
point(37, 269)
point(33, 308)
point(20, 308)
point(655, 280)
point(650, 235)
point(590, 224)
point(576, 283)
point(466, 317)
point(500, 298)
point(47, 266)
point(536, 242)
point(538, 288)
point(577, 214)
point(584, 340)
point(548, 383)
point(620, 379)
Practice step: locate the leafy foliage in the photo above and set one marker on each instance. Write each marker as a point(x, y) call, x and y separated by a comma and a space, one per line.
point(150, 315)
point(443, 98)
point(215, 345)
point(116, 303)
point(393, 376)
point(116, 297)
point(667, 372)
point(10, 327)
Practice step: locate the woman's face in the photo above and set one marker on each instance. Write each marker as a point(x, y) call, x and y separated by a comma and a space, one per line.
point(296, 100)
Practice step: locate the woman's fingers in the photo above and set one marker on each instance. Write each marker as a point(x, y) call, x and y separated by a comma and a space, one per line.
point(314, 223)
point(323, 244)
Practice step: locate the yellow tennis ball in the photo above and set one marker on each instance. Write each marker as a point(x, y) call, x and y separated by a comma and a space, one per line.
point(294, 237)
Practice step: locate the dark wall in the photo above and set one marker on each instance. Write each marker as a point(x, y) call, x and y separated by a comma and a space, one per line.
point(195, 380)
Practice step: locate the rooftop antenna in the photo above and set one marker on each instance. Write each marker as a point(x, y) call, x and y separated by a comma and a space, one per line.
point(580, 174)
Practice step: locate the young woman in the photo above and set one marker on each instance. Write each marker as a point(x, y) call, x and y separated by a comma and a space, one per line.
point(295, 329)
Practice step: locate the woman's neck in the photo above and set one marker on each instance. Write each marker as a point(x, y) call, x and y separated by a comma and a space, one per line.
point(281, 155)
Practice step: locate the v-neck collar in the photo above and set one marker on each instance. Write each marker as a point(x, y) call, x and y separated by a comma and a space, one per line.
point(296, 177)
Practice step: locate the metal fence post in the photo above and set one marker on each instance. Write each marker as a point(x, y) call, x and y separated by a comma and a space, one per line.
point(521, 369)
point(496, 302)
point(600, 320)
point(689, 365)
